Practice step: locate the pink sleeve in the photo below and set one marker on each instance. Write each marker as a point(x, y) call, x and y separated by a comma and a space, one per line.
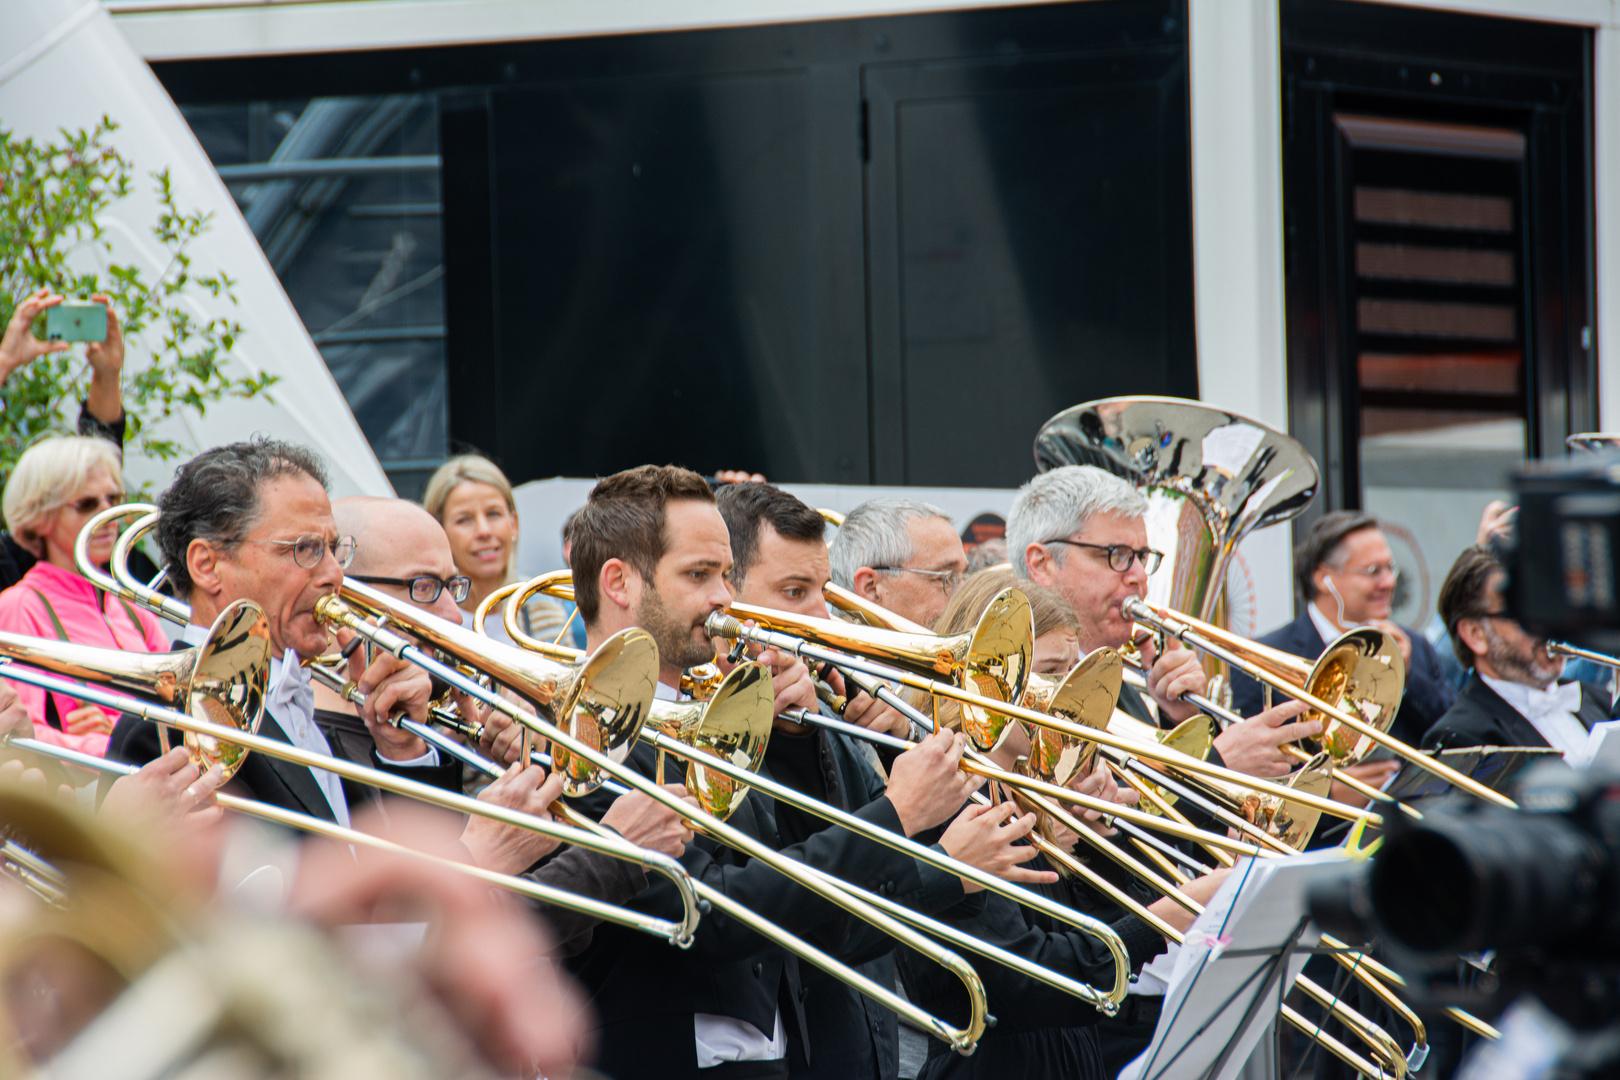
point(151, 631)
point(22, 613)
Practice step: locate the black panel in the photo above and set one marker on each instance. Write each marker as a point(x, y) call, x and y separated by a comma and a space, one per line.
point(670, 246)
point(472, 375)
point(1030, 245)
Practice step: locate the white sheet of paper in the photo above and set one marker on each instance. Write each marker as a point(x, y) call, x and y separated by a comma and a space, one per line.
point(1255, 912)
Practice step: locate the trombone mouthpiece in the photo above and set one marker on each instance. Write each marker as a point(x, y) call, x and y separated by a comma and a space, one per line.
point(719, 624)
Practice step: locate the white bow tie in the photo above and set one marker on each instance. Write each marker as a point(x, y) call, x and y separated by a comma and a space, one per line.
point(292, 698)
point(1563, 698)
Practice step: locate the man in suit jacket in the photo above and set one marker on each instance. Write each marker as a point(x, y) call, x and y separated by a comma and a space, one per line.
point(1347, 574)
point(251, 521)
point(1513, 696)
point(651, 550)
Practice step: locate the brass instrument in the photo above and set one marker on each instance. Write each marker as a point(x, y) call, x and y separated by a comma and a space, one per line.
point(1343, 674)
point(1210, 477)
point(223, 680)
point(993, 659)
point(594, 713)
point(674, 932)
point(336, 612)
point(1563, 648)
point(738, 771)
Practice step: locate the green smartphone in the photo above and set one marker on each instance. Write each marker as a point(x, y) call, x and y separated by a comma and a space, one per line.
point(76, 320)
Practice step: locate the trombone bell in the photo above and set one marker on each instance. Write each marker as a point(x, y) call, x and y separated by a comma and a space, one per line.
point(733, 725)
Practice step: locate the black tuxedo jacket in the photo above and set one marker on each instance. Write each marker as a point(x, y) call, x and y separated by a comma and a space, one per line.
point(645, 993)
point(1427, 696)
point(1481, 717)
point(271, 780)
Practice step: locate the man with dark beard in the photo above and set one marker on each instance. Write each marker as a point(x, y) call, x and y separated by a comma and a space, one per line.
point(1513, 697)
point(651, 550)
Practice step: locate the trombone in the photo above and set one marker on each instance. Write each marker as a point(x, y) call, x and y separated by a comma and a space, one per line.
point(673, 932)
point(848, 646)
point(599, 706)
point(233, 657)
point(1330, 674)
point(663, 717)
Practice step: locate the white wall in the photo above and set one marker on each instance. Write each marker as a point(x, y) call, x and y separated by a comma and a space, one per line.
point(63, 64)
point(1238, 245)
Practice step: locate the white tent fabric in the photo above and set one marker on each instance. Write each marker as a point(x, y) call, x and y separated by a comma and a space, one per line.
point(63, 64)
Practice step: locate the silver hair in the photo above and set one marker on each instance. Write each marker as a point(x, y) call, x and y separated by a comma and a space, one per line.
point(1061, 502)
point(877, 533)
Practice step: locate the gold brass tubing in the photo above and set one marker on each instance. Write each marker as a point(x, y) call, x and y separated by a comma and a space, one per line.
point(81, 544)
point(1180, 626)
point(334, 611)
point(731, 627)
point(1191, 905)
point(292, 819)
point(1563, 648)
point(1047, 906)
point(131, 589)
point(398, 785)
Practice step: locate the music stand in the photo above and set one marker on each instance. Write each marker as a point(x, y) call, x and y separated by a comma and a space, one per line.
point(1240, 959)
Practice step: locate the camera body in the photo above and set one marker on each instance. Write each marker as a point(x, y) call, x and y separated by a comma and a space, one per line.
point(1539, 887)
point(1564, 562)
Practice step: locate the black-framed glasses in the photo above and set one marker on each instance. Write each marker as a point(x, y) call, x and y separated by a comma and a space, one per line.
point(308, 549)
point(425, 588)
point(1120, 556)
point(945, 579)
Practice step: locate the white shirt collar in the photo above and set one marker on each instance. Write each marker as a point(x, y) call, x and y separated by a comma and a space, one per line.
point(1324, 625)
point(290, 700)
point(1552, 712)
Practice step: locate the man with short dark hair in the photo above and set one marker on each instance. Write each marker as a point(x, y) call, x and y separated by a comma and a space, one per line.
point(252, 521)
point(1346, 575)
point(1513, 696)
point(781, 562)
point(651, 550)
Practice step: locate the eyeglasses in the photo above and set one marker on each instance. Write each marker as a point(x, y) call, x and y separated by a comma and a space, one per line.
point(1374, 571)
point(1120, 556)
point(91, 503)
point(946, 579)
point(308, 549)
point(425, 588)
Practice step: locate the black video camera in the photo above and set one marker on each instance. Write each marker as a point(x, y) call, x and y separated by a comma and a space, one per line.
point(1564, 563)
point(1539, 887)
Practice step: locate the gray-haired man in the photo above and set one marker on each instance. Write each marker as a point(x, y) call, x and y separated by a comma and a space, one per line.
point(1079, 531)
point(901, 554)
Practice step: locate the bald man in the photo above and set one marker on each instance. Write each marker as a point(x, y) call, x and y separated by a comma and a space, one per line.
point(401, 549)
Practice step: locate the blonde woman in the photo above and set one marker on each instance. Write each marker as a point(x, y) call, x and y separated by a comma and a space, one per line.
point(57, 486)
point(473, 500)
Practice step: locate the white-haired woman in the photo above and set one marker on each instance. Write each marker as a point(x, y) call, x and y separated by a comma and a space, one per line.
point(57, 486)
point(473, 500)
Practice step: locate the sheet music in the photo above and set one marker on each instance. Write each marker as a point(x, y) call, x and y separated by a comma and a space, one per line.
point(1212, 1020)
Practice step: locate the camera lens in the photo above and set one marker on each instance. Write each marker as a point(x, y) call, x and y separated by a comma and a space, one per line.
point(1460, 883)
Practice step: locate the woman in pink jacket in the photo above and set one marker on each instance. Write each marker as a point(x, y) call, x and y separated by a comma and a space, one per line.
point(57, 486)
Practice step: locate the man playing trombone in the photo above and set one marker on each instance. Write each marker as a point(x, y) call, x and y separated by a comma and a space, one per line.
point(251, 521)
point(1513, 696)
point(650, 550)
point(401, 549)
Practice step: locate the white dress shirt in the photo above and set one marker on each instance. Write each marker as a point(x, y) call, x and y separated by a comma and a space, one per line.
point(1553, 713)
point(290, 700)
point(1324, 625)
point(720, 1039)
